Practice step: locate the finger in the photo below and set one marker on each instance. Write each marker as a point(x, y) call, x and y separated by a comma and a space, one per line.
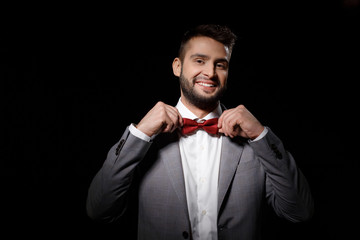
point(181, 121)
point(179, 118)
point(227, 123)
point(221, 118)
point(175, 117)
point(168, 125)
point(221, 123)
point(237, 131)
point(232, 123)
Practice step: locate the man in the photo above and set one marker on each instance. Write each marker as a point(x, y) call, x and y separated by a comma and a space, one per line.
point(199, 182)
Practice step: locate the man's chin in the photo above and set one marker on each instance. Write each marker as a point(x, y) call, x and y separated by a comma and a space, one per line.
point(204, 101)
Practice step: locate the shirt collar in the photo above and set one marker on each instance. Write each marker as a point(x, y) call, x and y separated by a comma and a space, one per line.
point(186, 113)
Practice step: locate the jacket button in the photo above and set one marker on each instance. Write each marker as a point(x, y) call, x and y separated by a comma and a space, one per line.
point(185, 234)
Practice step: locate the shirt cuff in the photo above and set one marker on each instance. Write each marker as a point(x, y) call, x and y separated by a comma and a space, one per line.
point(139, 134)
point(262, 134)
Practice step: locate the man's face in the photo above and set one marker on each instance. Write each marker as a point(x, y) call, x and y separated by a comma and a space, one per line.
point(204, 72)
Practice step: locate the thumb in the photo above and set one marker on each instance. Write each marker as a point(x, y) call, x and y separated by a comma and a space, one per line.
point(220, 122)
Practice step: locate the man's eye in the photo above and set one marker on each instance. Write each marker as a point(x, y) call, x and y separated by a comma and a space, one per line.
point(221, 65)
point(199, 61)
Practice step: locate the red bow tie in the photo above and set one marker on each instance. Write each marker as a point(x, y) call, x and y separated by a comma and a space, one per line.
point(209, 126)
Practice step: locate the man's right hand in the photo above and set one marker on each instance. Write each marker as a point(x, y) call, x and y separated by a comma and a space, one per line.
point(161, 118)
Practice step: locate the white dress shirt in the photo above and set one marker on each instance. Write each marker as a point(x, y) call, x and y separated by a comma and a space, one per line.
point(200, 157)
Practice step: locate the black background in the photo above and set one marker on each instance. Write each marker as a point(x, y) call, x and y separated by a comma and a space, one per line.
point(73, 76)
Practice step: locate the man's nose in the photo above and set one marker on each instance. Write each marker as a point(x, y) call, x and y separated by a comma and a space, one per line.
point(209, 71)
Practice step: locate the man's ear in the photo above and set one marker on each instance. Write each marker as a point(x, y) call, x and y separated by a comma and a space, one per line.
point(176, 65)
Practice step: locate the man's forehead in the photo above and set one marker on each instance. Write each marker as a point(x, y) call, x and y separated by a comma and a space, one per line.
point(206, 46)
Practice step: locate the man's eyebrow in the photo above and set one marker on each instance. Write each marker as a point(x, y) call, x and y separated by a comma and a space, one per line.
point(207, 57)
point(199, 55)
point(222, 60)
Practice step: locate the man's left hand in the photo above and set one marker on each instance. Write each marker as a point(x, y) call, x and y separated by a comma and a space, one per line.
point(239, 122)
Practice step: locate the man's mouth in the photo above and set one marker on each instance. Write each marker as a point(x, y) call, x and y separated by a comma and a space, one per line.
point(206, 84)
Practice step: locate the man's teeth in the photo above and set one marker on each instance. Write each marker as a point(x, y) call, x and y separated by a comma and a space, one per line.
point(206, 85)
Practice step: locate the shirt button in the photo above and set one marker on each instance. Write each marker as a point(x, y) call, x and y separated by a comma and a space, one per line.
point(203, 212)
point(201, 147)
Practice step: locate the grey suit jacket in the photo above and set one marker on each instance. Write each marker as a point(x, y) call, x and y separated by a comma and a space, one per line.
point(251, 175)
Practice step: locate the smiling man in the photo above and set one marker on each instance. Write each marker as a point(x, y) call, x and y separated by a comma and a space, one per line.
point(197, 170)
point(206, 65)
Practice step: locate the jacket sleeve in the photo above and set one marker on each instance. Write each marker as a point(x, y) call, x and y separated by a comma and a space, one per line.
point(287, 189)
point(107, 194)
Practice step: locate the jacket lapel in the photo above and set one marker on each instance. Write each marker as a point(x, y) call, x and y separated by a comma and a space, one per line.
point(170, 155)
point(229, 160)
point(230, 156)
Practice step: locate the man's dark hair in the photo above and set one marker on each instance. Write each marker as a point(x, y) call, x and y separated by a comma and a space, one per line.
point(222, 34)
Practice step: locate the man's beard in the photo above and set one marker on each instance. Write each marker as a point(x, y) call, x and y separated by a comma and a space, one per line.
point(202, 102)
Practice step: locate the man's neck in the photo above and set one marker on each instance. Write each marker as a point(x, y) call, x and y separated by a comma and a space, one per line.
point(200, 113)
